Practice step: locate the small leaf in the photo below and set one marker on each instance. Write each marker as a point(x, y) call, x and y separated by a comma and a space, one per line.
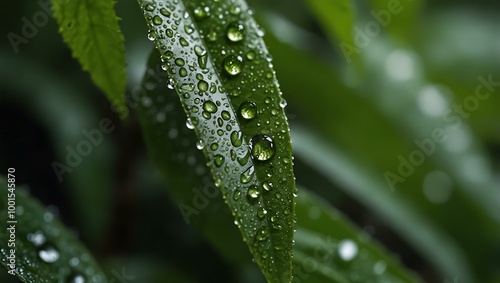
point(45, 251)
point(329, 248)
point(222, 71)
point(91, 30)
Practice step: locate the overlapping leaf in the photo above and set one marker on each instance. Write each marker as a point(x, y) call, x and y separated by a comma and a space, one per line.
point(222, 71)
point(45, 251)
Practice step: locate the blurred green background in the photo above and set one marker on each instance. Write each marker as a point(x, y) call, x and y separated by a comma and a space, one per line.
point(353, 120)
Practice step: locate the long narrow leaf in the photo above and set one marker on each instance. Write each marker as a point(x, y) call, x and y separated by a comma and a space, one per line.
point(221, 70)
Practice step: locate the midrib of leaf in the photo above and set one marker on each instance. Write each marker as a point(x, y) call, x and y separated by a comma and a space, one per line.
point(272, 252)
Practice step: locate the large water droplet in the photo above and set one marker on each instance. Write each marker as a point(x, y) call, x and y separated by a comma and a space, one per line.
point(157, 20)
point(263, 148)
point(183, 41)
point(189, 124)
point(267, 186)
point(235, 32)
point(247, 175)
point(261, 213)
point(210, 107)
point(37, 238)
point(237, 195)
point(165, 12)
point(149, 7)
point(218, 160)
point(253, 192)
point(203, 86)
point(248, 110)
point(48, 253)
point(201, 13)
point(347, 249)
point(179, 62)
point(233, 65)
point(236, 138)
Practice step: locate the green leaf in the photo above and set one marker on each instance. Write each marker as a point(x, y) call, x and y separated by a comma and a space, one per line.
point(91, 30)
point(45, 250)
point(221, 70)
point(337, 18)
point(329, 248)
point(171, 148)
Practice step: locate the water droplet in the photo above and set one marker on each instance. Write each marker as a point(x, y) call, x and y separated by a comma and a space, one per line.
point(225, 115)
point(165, 12)
point(219, 160)
point(189, 124)
point(267, 186)
point(236, 138)
point(169, 33)
point(157, 20)
point(233, 65)
point(235, 32)
point(49, 254)
point(379, 267)
point(251, 55)
point(263, 147)
point(247, 175)
point(188, 29)
point(212, 35)
point(37, 238)
point(202, 86)
point(261, 213)
point(253, 192)
point(75, 278)
point(188, 87)
point(201, 13)
point(199, 51)
point(150, 7)
point(237, 195)
point(169, 54)
point(171, 83)
point(283, 103)
point(179, 62)
point(244, 160)
point(151, 35)
point(200, 145)
point(214, 146)
point(248, 110)
point(210, 107)
point(183, 72)
point(277, 226)
point(183, 41)
point(347, 249)
point(287, 211)
point(262, 234)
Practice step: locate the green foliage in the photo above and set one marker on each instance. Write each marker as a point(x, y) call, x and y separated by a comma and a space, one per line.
point(233, 102)
point(394, 118)
point(45, 251)
point(90, 29)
